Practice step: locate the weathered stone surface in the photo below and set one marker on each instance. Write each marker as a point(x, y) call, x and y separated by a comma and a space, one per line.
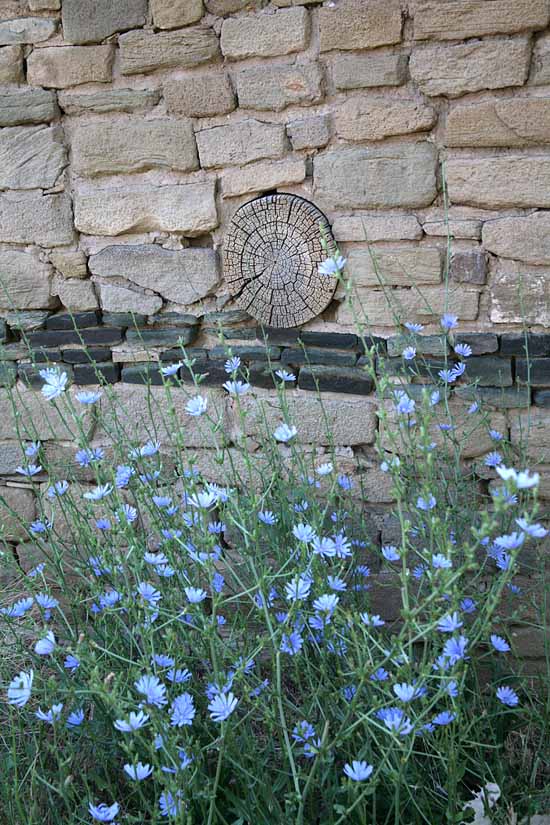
point(318, 355)
point(461, 19)
point(533, 371)
point(348, 421)
point(407, 305)
point(376, 118)
point(503, 398)
point(354, 24)
point(273, 88)
point(44, 5)
point(361, 71)
point(59, 67)
point(521, 343)
point(396, 175)
point(11, 456)
point(454, 70)
point(457, 222)
point(264, 175)
point(69, 263)
point(68, 335)
point(395, 267)
point(335, 379)
point(514, 122)
point(183, 277)
point(521, 238)
point(31, 218)
point(109, 100)
point(11, 65)
point(26, 30)
point(145, 51)
point(162, 337)
point(107, 148)
point(187, 208)
point(240, 143)
point(540, 62)
point(500, 181)
point(534, 423)
point(265, 35)
point(31, 157)
point(85, 22)
point(541, 398)
point(468, 267)
point(169, 14)
point(43, 421)
point(520, 294)
point(201, 94)
point(284, 4)
point(75, 294)
point(27, 106)
point(424, 345)
point(72, 320)
point(117, 298)
point(25, 281)
point(222, 7)
point(27, 321)
point(490, 371)
point(376, 228)
point(309, 132)
point(85, 374)
point(17, 511)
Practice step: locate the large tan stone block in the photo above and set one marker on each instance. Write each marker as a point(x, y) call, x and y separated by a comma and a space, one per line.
point(374, 228)
point(309, 132)
point(370, 118)
point(265, 35)
point(26, 30)
point(85, 22)
point(31, 157)
point(57, 67)
point(69, 263)
point(201, 94)
point(146, 51)
point(354, 24)
point(395, 267)
point(128, 146)
point(377, 178)
point(377, 68)
point(17, 511)
point(454, 70)
point(20, 106)
point(76, 294)
point(11, 65)
point(386, 308)
point(169, 14)
point(118, 298)
point(511, 122)
point(523, 238)
point(108, 100)
point(27, 412)
point(240, 143)
point(262, 176)
point(273, 88)
point(183, 276)
point(32, 218)
point(530, 431)
point(25, 281)
point(520, 294)
point(187, 208)
point(540, 62)
point(500, 181)
point(461, 19)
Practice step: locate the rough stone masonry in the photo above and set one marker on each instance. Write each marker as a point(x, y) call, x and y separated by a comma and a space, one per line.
point(131, 131)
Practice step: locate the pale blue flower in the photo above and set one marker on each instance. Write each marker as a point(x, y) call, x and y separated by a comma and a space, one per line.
point(58, 489)
point(495, 435)
point(522, 480)
point(45, 646)
point(89, 455)
point(291, 643)
point(298, 589)
point(178, 676)
point(303, 532)
point(492, 459)
point(336, 583)
point(196, 406)
point(403, 404)
point(103, 812)
point(332, 266)
point(139, 771)
point(358, 771)
point(29, 471)
point(371, 619)
point(18, 608)
point(55, 382)
point(267, 517)
point(450, 623)
point(169, 804)
point(499, 644)
point(19, 689)
point(153, 690)
point(46, 601)
point(303, 731)
point(99, 493)
point(285, 433)
point(395, 720)
point(440, 562)
point(50, 716)
point(409, 353)
point(326, 603)
point(232, 364)
point(536, 531)
point(406, 692)
point(455, 649)
point(511, 541)
point(149, 593)
point(88, 396)
point(182, 710)
point(285, 376)
point(195, 595)
point(507, 696)
point(464, 350)
point(71, 663)
point(414, 327)
point(75, 719)
point(236, 388)
point(32, 449)
point(135, 722)
point(449, 321)
point(447, 376)
point(444, 718)
point(390, 552)
point(323, 546)
point(171, 369)
point(222, 706)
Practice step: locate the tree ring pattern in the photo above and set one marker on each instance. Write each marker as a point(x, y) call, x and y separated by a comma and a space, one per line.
point(272, 253)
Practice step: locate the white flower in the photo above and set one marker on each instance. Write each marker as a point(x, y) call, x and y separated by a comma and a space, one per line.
point(332, 266)
point(45, 646)
point(99, 492)
point(88, 396)
point(285, 376)
point(325, 469)
point(284, 432)
point(522, 480)
point(236, 387)
point(55, 383)
point(196, 406)
point(19, 689)
point(171, 369)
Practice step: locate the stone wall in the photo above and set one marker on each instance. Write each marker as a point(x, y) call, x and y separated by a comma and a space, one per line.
point(132, 130)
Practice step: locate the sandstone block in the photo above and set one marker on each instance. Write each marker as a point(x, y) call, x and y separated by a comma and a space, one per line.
point(187, 208)
point(222, 7)
point(507, 123)
point(85, 22)
point(536, 424)
point(169, 14)
point(500, 181)
point(59, 67)
point(354, 24)
point(240, 143)
point(468, 267)
point(24, 280)
point(540, 62)
point(273, 88)
point(361, 71)
point(182, 276)
point(520, 294)
point(393, 176)
point(44, 5)
point(145, 51)
point(461, 19)
point(262, 176)
point(284, 4)
point(376, 118)
point(522, 238)
point(454, 70)
point(76, 294)
point(374, 228)
point(30, 218)
point(26, 30)
point(27, 106)
point(109, 100)
point(69, 263)
point(265, 35)
point(11, 455)
point(11, 65)
point(107, 148)
point(117, 298)
point(17, 511)
point(43, 421)
point(31, 157)
point(382, 309)
point(395, 267)
point(203, 94)
point(309, 132)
